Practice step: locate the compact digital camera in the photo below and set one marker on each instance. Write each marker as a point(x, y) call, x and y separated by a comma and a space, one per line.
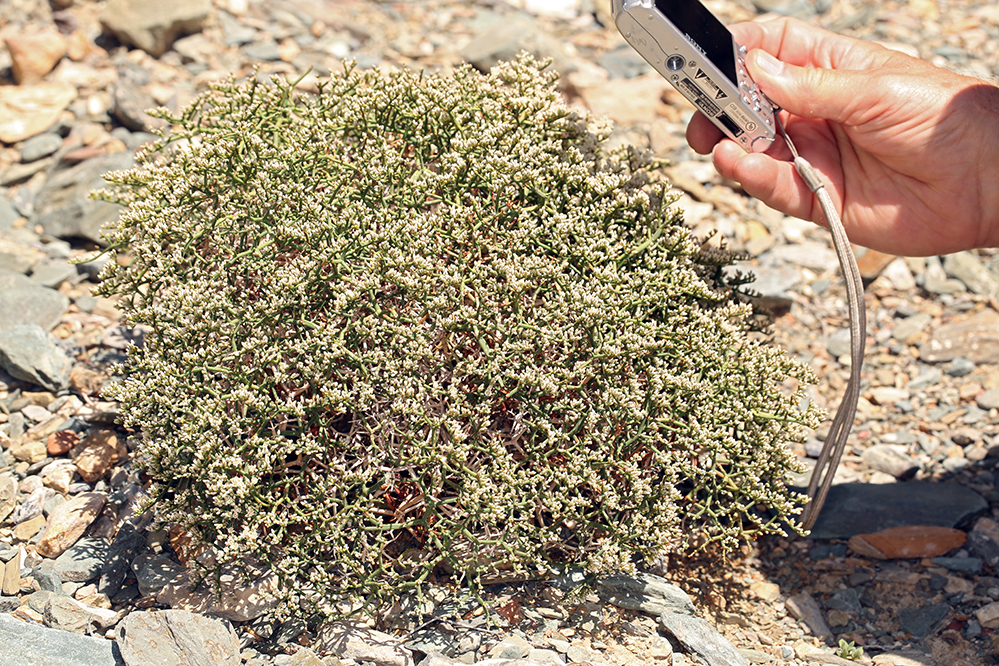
point(685, 43)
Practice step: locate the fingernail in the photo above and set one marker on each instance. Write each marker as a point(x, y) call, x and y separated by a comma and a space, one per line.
point(768, 63)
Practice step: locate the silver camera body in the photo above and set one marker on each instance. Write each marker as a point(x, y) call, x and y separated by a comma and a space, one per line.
point(691, 48)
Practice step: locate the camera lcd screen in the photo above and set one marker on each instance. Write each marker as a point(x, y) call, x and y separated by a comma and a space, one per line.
point(693, 19)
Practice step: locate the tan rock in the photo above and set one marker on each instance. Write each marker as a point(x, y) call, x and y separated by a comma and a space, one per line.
point(988, 615)
point(68, 522)
point(79, 47)
point(8, 495)
point(59, 443)
point(58, 475)
point(803, 607)
point(908, 542)
point(42, 430)
point(644, 95)
point(29, 528)
point(28, 110)
point(30, 452)
point(766, 590)
point(34, 56)
point(95, 455)
point(12, 573)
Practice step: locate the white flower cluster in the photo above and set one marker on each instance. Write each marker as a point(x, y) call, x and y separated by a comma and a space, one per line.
point(419, 322)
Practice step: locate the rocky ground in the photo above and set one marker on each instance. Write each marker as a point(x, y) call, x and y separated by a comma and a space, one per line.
point(903, 561)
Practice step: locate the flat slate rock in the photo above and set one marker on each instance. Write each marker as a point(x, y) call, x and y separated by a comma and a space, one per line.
point(699, 637)
point(862, 508)
point(27, 352)
point(645, 592)
point(177, 638)
point(64, 207)
point(26, 644)
point(24, 302)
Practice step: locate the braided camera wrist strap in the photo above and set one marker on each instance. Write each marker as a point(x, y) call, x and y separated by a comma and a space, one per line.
point(835, 442)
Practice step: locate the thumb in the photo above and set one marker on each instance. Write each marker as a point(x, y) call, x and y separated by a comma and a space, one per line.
point(806, 91)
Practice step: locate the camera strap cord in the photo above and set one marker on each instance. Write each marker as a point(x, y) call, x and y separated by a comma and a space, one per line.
point(835, 441)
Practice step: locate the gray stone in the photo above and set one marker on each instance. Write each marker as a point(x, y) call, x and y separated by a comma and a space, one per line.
point(122, 552)
point(846, 600)
point(935, 279)
point(800, 9)
point(47, 580)
point(544, 656)
point(304, 657)
point(976, 339)
point(175, 637)
point(27, 644)
point(18, 258)
point(40, 146)
point(17, 173)
point(988, 400)
point(927, 377)
point(803, 607)
point(700, 638)
point(32, 505)
point(888, 459)
point(911, 326)
point(966, 565)
point(153, 26)
point(838, 343)
point(860, 508)
point(510, 647)
point(507, 37)
point(7, 214)
point(234, 32)
point(154, 572)
point(969, 269)
point(129, 104)
point(24, 302)
point(353, 640)
point(37, 601)
point(53, 272)
point(64, 207)
point(816, 256)
point(82, 561)
point(961, 367)
point(27, 352)
point(921, 622)
point(774, 285)
point(645, 592)
point(624, 63)
point(266, 50)
point(8, 605)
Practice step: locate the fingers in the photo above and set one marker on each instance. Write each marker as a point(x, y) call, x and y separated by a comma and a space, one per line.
point(802, 44)
point(772, 181)
point(702, 134)
point(769, 176)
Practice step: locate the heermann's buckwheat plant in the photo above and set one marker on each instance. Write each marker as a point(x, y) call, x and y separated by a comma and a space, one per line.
point(421, 322)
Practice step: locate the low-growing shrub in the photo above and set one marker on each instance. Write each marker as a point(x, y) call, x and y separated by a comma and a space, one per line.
point(418, 323)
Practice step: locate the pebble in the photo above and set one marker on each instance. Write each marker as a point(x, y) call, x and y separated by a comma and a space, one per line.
point(907, 542)
point(68, 522)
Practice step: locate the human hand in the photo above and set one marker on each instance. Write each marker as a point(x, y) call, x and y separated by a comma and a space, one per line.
point(908, 151)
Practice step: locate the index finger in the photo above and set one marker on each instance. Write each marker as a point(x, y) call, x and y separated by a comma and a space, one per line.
point(798, 43)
